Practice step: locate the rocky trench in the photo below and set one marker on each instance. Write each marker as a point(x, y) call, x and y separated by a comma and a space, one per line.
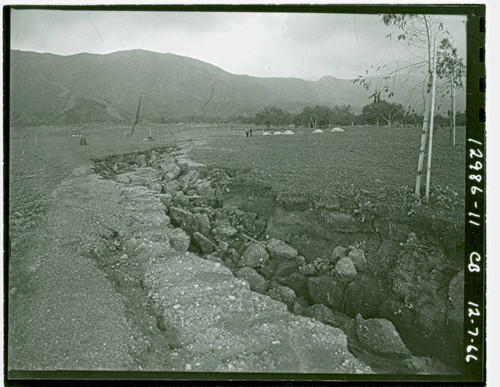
point(321, 266)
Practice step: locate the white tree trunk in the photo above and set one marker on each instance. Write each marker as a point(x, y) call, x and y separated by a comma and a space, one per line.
point(423, 141)
point(453, 110)
point(431, 129)
point(453, 115)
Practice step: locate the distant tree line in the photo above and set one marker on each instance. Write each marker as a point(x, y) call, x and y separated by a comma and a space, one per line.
point(377, 113)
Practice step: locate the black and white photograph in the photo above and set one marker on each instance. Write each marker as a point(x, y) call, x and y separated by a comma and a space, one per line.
point(244, 192)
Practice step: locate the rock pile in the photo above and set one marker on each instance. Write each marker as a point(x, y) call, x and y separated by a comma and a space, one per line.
point(337, 290)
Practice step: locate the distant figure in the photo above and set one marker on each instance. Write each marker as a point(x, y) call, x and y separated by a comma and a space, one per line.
point(83, 139)
point(251, 132)
point(247, 132)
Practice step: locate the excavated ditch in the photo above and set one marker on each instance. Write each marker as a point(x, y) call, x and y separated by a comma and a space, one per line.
point(398, 303)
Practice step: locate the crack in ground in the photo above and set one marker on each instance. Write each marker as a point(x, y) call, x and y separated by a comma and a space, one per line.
point(182, 184)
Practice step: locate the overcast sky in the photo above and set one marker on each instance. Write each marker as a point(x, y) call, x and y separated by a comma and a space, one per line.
point(306, 46)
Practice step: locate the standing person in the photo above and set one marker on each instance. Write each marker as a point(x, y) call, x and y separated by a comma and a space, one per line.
point(246, 132)
point(83, 139)
point(251, 132)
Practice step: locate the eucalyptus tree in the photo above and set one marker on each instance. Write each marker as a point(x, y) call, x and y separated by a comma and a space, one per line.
point(451, 69)
point(418, 33)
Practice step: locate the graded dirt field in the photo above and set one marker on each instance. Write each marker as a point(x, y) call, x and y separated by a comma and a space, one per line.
point(73, 210)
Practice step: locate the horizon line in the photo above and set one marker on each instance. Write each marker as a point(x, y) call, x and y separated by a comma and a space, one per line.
point(182, 56)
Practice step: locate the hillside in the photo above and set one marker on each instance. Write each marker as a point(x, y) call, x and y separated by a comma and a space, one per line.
point(47, 88)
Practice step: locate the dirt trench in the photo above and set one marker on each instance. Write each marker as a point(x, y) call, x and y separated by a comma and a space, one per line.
point(320, 263)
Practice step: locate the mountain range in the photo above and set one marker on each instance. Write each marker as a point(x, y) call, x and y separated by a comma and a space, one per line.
point(53, 89)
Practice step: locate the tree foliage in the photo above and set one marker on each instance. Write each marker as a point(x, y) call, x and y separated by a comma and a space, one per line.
point(382, 112)
point(272, 115)
point(322, 116)
point(449, 66)
point(416, 33)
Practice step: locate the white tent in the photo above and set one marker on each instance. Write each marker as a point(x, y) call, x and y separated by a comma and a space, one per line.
point(266, 134)
point(288, 132)
point(277, 132)
point(337, 130)
point(318, 131)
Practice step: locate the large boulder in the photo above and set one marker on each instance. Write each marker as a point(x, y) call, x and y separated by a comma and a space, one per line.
point(324, 314)
point(280, 250)
point(286, 268)
point(223, 230)
point(326, 290)
point(180, 199)
point(233, 255)
point(155, 186)
point(321, 313)
point(172, 174)
point(201, 223)
point(220, 335)
point(251, 223)
point(179, 240)
point(425, 366)
point(167, 165)
point(171, 187)
point(247, 220)
point(180, 215)
point(204, 188)
point(255, 280)
point(297, 282)
point(283, 294)
point(357, 257)
point(339, 252)
point(188, 180)
point(187, 166)
point(254, 256)
point(364, 296)
point(142, 160)
point(456, 298)
point(190, 222)
point(122, 178)
point(205, 245)
point(380, 336)
point(308, 269)
point(345, 268)
point(166, 199)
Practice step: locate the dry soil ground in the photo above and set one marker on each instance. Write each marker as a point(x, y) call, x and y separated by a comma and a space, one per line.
point(59, 211)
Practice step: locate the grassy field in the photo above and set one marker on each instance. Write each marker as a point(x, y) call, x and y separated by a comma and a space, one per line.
point(305, 165)
point(38, 163)
point(361, 156)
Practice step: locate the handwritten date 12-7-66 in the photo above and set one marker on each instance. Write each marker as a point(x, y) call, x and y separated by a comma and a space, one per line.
point(473, 314)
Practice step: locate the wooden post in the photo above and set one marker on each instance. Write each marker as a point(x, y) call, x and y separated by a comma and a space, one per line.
point(431, 129)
